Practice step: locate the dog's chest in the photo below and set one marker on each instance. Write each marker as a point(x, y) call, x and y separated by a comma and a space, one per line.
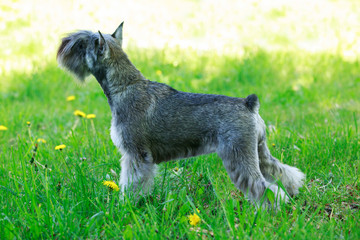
point(116, 136)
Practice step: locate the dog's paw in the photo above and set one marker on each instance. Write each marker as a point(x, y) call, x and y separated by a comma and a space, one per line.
point(292, 179)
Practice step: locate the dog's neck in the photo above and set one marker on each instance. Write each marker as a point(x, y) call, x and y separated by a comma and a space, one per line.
point(115, 76)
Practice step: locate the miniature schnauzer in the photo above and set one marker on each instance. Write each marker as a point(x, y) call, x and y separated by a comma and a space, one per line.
point(154, 123)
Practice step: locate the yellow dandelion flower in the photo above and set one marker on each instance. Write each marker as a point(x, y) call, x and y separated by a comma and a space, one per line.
point(273, 144)
point(79, 113)
point(90, 116)
point(60, 147)
point(28, 123)
point(194, 219)
point(41, 140)
point(177, 171)
point(158, 72)
point(70, 98)
point(3, 128)
point(111, 185)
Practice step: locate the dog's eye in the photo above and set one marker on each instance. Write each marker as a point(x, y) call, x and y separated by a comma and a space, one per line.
point(81, 46)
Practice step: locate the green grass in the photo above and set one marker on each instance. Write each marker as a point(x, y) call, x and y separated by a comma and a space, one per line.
point(310, 100)
point(306, 76)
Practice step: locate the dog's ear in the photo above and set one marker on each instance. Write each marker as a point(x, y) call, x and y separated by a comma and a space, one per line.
point(118, 34)
point(103, 46)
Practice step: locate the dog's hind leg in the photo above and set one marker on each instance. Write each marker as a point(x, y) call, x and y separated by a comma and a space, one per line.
point(242, 164)
point(137, 174)
point(272, 169)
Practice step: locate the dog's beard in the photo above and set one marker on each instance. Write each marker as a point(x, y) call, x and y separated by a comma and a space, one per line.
point(76, 66)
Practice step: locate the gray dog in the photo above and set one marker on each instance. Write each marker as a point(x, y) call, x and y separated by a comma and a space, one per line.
point(154, 123)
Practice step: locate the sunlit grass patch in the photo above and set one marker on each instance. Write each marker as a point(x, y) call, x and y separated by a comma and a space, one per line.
point(309, 97)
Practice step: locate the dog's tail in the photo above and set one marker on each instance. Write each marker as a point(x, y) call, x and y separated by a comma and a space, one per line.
point(252, 103)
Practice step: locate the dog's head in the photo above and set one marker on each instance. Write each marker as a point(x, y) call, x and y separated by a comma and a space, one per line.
point(84, 52)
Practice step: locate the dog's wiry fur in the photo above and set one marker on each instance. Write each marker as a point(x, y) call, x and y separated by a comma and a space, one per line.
point(153, 123)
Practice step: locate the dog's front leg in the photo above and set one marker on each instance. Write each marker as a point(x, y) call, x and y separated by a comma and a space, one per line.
point(137, 174)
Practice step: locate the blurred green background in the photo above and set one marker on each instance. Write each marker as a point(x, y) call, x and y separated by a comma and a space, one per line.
point(30, 30)
point(300, 57)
